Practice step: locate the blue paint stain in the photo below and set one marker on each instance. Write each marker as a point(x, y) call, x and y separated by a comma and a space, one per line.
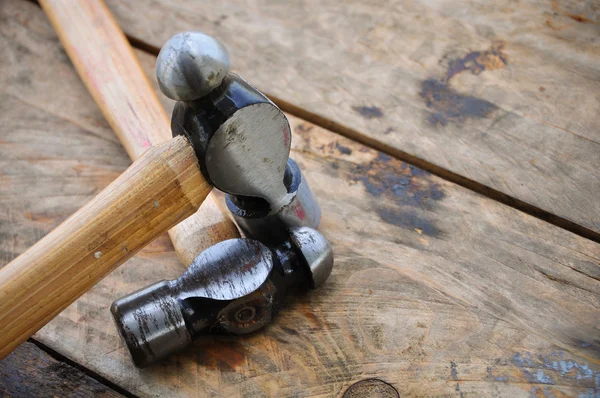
point(542, 378)
point(522, 360)
point(590, 394)
point(453, 371)
point(502, 379)
point(536, 370)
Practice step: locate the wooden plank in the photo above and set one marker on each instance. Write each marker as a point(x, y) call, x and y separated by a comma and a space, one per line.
point(30, 372)
point(436, 290)
point(496, 95)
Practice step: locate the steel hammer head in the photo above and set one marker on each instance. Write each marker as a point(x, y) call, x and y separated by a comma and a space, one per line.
point(235, 286)
point(242, 140)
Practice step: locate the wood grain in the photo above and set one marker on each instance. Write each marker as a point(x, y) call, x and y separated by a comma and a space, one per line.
point(163, 187)
point(111, 72)
point(30, 372)
point(436, 290)
point(500, 96)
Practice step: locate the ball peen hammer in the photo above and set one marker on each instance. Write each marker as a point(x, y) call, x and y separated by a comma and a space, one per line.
point(234, 287)
point(226, 132)
point(111, 72)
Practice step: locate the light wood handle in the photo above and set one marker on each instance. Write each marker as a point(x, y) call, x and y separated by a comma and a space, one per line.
point(111, 72)
point(159, 190)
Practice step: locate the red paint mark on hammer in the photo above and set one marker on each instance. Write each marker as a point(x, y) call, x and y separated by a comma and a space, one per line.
point(299, 211)
point(286, 136)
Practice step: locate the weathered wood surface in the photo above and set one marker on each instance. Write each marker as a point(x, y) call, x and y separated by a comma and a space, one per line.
point(505, 93)
point(29, 372)
point(436, 290)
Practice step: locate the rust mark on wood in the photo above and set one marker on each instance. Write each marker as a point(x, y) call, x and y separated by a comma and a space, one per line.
point(555, 4)
point(398, 181)
point(368, 112)
point(579, 18)
point(312, 318)
point(449, 105)
point(221, 353)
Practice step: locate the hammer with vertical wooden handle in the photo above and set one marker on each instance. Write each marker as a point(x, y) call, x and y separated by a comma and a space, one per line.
point(111, 72)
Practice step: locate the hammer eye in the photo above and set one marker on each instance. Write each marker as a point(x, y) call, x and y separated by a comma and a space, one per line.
point(245, 314)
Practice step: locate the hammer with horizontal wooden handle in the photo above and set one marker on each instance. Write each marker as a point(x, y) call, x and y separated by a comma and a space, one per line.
point(111, 72)
point(158, 191)
point(226, 133)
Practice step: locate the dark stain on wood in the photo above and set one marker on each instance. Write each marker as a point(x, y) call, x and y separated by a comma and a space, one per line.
point(344, 150)
point(453, 371)
point(408, 220)
point(334, 146)
point(405, 185)
point(449, 105)
point(30, 372)
point(221, 19)
point(590, 346)
point(368, 112)
point(371, 388)
point(399, 181)
point(303, 128)
point(478, 61)
point(289, 331)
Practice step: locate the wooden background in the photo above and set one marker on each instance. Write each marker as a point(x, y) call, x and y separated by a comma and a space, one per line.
point(476, 273)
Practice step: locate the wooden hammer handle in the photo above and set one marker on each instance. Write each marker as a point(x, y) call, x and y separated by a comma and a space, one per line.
point(111, 72)
point(159, 190)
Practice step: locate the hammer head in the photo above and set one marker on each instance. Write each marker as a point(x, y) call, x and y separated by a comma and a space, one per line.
point(191, 65)
point(242, 141)
point(234, 287)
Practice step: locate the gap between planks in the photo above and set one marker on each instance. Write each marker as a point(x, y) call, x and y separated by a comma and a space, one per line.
point(414, 160)
point(88, 372)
